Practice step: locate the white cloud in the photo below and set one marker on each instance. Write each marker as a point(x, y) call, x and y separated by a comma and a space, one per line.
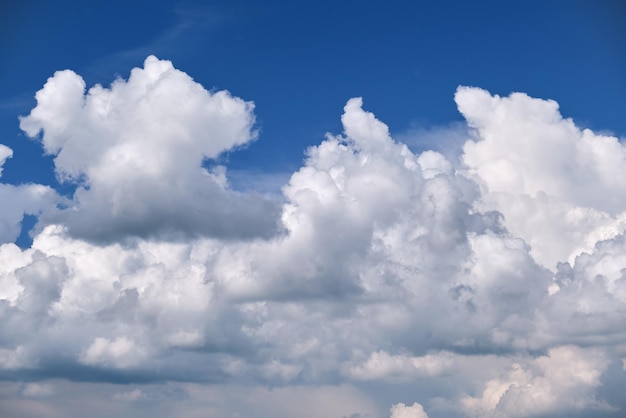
point(5, 153)
point(563, 380)
point(380, 365)
point(357, 214)
point(400, 410)
point(11, 259)
point(17, 201)
point(390, 267)
point(587, 308)
point(118, 353)
point(136, 151)
point(556, 184)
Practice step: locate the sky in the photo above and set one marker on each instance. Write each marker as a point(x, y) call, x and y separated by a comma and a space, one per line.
point(312, 209)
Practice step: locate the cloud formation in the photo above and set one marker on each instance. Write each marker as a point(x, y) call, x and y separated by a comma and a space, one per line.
point(558, 186)
point(402, 411)
point(136, 151)
point(481, 287)
point(563, 380)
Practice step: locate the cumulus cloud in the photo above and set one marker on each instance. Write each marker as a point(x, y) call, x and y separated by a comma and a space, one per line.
point(563, 380)
point(557, 185)
point(17, 201)
point(357, 214)
point(136, 151)
point(391, 267)
point(585, 304)
point(400, 410)
point(119, 353)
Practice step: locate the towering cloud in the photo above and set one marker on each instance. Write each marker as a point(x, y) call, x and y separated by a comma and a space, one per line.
point(486, 287)
point(558, 186)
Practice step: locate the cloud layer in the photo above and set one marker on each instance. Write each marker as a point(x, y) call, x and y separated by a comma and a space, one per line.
point(488, 286)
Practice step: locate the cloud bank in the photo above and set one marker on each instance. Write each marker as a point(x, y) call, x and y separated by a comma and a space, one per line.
point(387, 283)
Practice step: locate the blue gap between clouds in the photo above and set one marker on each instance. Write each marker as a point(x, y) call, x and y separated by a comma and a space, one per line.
point(25, 240)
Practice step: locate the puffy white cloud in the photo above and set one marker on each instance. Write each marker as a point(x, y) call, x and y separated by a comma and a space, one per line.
point(136, 152)
point(370, 225)
point(563, 380)
point(400, 410)
point(557, 185)
point(119, 353)
point(585, 305)
point(17, 201)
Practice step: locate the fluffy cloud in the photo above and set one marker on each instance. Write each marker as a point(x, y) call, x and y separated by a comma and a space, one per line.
point(407, 270)
point(136, 151)
point(563, 380)
point(17, 201)
point(585, 305)
point(5, 152)
point(402, 411)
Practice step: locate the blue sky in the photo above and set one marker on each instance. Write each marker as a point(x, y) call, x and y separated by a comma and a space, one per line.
point(314, 209)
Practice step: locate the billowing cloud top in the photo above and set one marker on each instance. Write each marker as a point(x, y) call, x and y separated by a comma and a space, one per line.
point(136, 151)
point(492, 286)
point(555, 184)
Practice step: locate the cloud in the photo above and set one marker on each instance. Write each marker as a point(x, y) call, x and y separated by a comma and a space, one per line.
point(563, 380)
point(356, 215)
point(381, 365)
point(136, 151)
point(119, 353)
point(558, 186)
point(400, 410)
point(17, 201)
point(378, 267)
point(5, 153)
